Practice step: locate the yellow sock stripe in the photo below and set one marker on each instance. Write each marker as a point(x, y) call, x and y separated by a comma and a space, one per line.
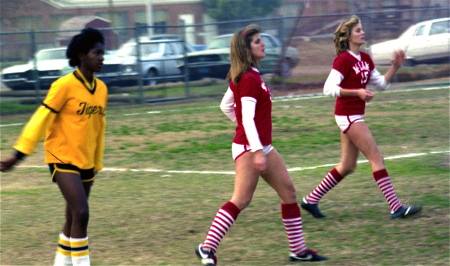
point(64, 252)
point(64, 242)
point(80, 253)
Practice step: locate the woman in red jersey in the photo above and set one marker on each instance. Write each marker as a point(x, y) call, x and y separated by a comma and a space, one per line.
point(248, 103)
point(72, 117)
point(352, 71)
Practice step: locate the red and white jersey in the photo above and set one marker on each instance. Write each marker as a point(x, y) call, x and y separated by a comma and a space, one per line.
point(252, 85)
point(356, 75)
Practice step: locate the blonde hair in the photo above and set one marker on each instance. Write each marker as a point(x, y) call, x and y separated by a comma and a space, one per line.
point(241, 56)
point(342, 34)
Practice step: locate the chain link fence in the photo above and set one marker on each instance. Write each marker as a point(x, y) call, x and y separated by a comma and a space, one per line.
point(301, 53)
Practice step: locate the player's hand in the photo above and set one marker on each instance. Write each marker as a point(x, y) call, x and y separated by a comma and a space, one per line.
point(260, 161)
point(365, 95)
point(8, 164)
point(399, 58)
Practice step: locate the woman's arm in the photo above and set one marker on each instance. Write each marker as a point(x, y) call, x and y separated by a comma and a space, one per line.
point(332, 88)
point(227, 105)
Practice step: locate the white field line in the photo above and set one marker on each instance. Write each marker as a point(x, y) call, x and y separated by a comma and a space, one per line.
point(276, 99)
point(113, 169)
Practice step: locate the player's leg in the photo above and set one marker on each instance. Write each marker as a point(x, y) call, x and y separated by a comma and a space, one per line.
point(349, 156)
point(76, 195)
point(245, 182)
point(278, 178)
point(364, 140)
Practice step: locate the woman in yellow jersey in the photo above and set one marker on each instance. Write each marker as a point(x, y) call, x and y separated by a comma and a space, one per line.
point(72, 119)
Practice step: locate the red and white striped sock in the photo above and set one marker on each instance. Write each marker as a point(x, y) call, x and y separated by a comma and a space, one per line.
point(384, 183)
point(292, 221)
point(225, 217)
point(330, 181)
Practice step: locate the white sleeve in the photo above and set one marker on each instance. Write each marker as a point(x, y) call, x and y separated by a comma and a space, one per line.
point(331, 87)
point(377, 80)
point(248, 115)
point(227, 105)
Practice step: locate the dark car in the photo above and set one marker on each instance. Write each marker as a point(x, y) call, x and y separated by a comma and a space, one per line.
point(214, 61)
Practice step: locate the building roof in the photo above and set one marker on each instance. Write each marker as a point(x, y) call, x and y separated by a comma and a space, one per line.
point(68, 4)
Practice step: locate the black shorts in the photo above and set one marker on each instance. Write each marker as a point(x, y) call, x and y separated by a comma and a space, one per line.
point(86, 175)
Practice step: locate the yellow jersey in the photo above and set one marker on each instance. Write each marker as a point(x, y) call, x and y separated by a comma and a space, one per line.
point(72, 118)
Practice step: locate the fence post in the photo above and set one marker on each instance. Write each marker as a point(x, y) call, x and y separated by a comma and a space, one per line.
point(35, 71)
point(186, 64)
point(139, 64)
point(283, 53)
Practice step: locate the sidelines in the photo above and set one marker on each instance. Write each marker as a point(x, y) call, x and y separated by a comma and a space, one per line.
point(112, 169)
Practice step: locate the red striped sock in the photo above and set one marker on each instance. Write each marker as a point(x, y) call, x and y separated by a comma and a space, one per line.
point(225, 217)
point(330, 181)
point(292, 221)
point(384, 183)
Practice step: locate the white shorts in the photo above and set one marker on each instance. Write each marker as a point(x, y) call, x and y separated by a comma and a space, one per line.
point(238, 149)
point(345, 121)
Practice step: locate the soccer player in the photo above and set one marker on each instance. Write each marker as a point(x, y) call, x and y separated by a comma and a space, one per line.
point(352, 71)
point(72, 118)
point(248, 103)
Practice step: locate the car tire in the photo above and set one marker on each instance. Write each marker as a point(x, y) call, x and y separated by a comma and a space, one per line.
point(149, 81)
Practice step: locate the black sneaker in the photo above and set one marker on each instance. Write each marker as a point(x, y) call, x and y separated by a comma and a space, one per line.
point(207, 257)
point(308, 255)
point(312, 208)
point(406, 211)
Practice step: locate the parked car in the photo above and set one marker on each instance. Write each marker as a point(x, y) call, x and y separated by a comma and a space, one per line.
point(424, 42)
point(157, 62)
point(214, 61)
point(52, 64)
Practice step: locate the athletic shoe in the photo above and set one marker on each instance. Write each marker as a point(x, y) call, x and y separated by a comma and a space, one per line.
point(312, 208)
point(207, 257)
point(308, 255)
point(406, 211)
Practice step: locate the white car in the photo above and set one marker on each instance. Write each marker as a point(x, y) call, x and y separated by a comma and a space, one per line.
point(424, 42)
point(52, 64)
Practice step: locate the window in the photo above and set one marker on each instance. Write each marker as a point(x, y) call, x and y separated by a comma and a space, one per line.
point(419, 31)
point(440, 27)
point(268, 42)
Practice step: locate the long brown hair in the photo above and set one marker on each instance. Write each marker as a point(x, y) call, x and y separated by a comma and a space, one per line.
point(241, 56)
point(342, 34)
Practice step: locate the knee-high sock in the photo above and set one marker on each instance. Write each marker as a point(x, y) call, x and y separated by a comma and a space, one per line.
point(292, 221)
point(63, 255)
point(80, 251)
point(330, 181)
point(384, 183)
point(225, 217)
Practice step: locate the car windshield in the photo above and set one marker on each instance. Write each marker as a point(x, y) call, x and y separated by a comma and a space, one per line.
point(221, 42)
point(51, 55)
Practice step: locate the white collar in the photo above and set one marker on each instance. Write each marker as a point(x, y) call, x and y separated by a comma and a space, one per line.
point(357, 56)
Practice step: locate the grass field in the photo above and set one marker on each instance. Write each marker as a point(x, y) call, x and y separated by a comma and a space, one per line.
point(169, 169)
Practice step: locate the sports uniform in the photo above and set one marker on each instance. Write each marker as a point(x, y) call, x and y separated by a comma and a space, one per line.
point(72, 117)
point(254, 129)
point(351, 71)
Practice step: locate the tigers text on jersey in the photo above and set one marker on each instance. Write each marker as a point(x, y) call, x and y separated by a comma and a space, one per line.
point(76, 123)
point(356, 76)
point(252, 85)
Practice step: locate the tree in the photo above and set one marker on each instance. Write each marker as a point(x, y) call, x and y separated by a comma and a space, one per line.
point(224, 10)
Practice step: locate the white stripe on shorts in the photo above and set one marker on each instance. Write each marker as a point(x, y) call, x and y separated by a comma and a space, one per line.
point(239, 149)
point(345, 121)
